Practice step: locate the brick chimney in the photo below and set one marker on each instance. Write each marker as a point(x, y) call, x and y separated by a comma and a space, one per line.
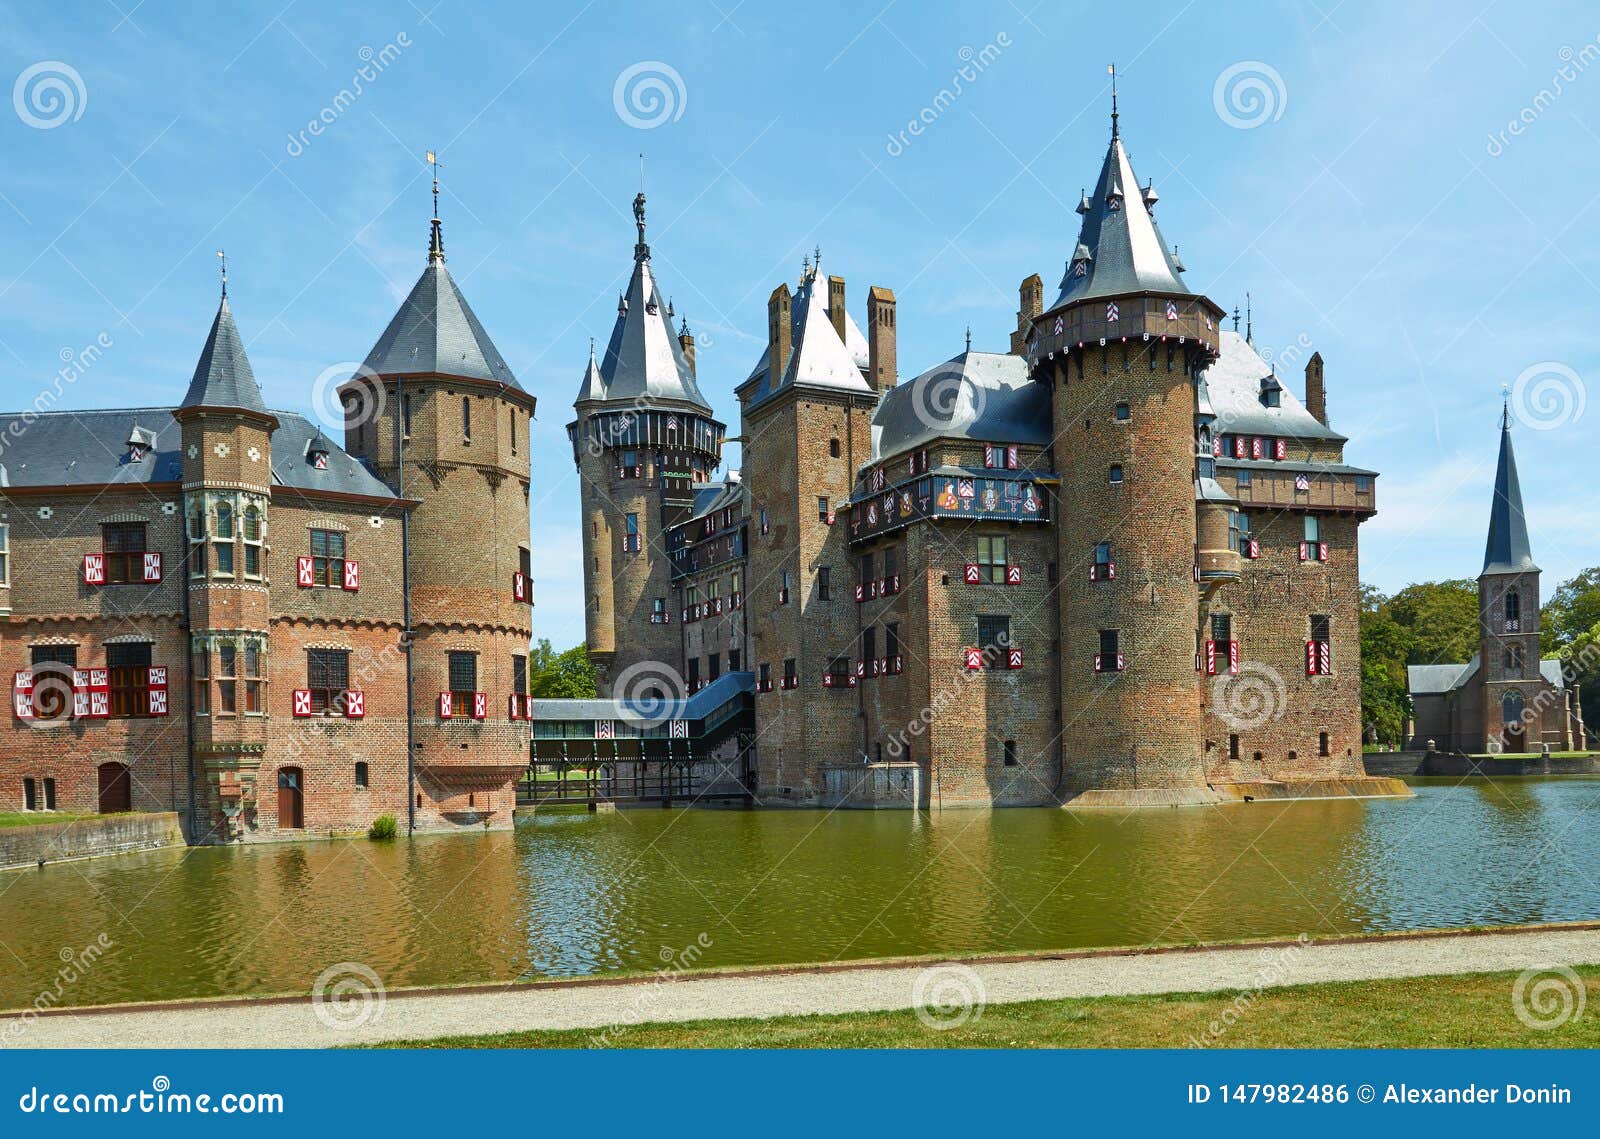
point(686, 342)
point(1316, 393)
point(836, 305)
point(779, 331)
point(882, 363)
point(1030, 303)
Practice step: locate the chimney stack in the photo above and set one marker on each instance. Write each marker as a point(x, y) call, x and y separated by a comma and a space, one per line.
point(686, 342)
point(882, 363)
point(779, 330)
point(836, 305)
point(1316, 392)
point(1030, 303)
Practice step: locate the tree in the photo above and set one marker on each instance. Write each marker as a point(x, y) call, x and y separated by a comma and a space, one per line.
point(1441, 618)
point(1572, 610)
point(1385, 648)
point(566, 675)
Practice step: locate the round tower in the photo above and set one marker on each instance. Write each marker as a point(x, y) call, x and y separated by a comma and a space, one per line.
point(436, 412)
point(644, 441)
point(1123, 346)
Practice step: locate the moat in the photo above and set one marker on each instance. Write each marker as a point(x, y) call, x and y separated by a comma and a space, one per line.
point(571, 894)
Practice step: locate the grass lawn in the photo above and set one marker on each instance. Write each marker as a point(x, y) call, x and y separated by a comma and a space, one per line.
point(1462, 1011)
point(38, 818)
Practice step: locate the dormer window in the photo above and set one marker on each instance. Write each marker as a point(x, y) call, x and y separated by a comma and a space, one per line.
point(1271, 392)
point(317, 452)
point(141, 441)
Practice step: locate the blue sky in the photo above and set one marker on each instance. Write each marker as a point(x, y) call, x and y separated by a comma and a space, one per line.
point(1370, 203)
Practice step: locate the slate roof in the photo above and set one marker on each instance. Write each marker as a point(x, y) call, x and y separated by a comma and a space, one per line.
point(817, 357)
point(1233, 385)
point(1119, 243)
point(643, 362)
point(222, 377)
point(1507, 550)
point(77, 448)
point(696, 707)
point(436, 333)
point(977, 395)
point(710, 499)
point(1438, 679)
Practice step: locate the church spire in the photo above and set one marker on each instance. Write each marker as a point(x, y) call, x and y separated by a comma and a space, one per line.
point(1507, 550)
point(436, 238)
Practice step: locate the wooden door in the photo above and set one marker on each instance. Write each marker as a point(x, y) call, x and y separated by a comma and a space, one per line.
point(116, 789)
point(291, 798)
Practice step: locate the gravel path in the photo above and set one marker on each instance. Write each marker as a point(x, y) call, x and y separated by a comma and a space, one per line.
point(420, 1015)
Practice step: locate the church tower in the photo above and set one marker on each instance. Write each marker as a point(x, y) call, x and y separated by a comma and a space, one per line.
point(1123, 347)
point(438, 415)
point(1514, 707)
point(644, 441)
point(227, 489)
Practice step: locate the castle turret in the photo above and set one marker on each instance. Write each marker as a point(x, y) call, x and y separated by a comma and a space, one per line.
point(1508, 613)
point(227, 488)
point(436, 412)
point(1123, 346)
point(644, 440)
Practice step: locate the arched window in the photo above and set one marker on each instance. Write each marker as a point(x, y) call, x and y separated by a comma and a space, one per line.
point(224, 520)
point(252, 524)
point(1511, 708)
point(1513, 606)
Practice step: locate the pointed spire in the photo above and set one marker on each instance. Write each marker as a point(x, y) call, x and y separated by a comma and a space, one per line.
point(1507, 550)
point(223, 377)
point(436, 233)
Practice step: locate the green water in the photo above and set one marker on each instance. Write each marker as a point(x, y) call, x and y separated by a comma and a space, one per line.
point(578, 894)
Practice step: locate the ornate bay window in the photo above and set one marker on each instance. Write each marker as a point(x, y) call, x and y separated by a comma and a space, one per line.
point(218, 521)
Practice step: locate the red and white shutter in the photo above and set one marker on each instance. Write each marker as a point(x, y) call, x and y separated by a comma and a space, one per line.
point(94, 569)
point(156, 682)
point(1239, 447)
point(22, 694)
point(1098, 663)
point(1324, 658)
point(1303, 551)
point(80, 693)
point(1255, 548)
point(1122, 662)
point(989, 453)
point(446, 705)
point(1256, 448)
point(302, 703)
point(1013, 658)
point(152, 567)
point(1211, 658)
point(972, 575)
point(827, 680)
point(1233, 657)
point(305, 572)
point(1322, 551)
point(1013, 575)
point(1013, 457)
point(480, 705)
point(99, 694)
point(352, 576)
point(972, 658)
point(1311, 658)
point(1280, 449)
point(514, 707)
point(355, 703)
point(519, 587)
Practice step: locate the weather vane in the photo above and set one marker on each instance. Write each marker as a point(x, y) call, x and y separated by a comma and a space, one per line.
point(222, 260)
point(433, 161)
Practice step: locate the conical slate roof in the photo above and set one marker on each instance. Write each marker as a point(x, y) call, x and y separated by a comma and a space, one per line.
point(223, 377)
point(1507, 550)
point(436, 333)
point(817, 357)
point(1127, 253)
point(643, 362)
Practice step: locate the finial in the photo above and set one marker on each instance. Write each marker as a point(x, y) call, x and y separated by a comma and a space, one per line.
point(436, 234)
point(805, 269)
point(591, 348)
point(1505, 407)
point(641, 251)
point(1249, 324)
point(1236, 318)
point(222, 259)
point(683, 328)
point(969, 338)
point(1111, 69)
point(670, 313)
point(818, 258)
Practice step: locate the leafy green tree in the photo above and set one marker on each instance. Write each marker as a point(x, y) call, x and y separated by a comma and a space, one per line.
point(1442, 620)
point(566, 675)
point(1385, 649)
point(1572, 610)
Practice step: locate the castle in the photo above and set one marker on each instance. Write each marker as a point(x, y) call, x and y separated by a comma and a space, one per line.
point(1116, 564)
point(216, 610)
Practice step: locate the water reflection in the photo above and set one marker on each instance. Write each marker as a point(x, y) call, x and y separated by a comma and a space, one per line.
point(573, 894)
